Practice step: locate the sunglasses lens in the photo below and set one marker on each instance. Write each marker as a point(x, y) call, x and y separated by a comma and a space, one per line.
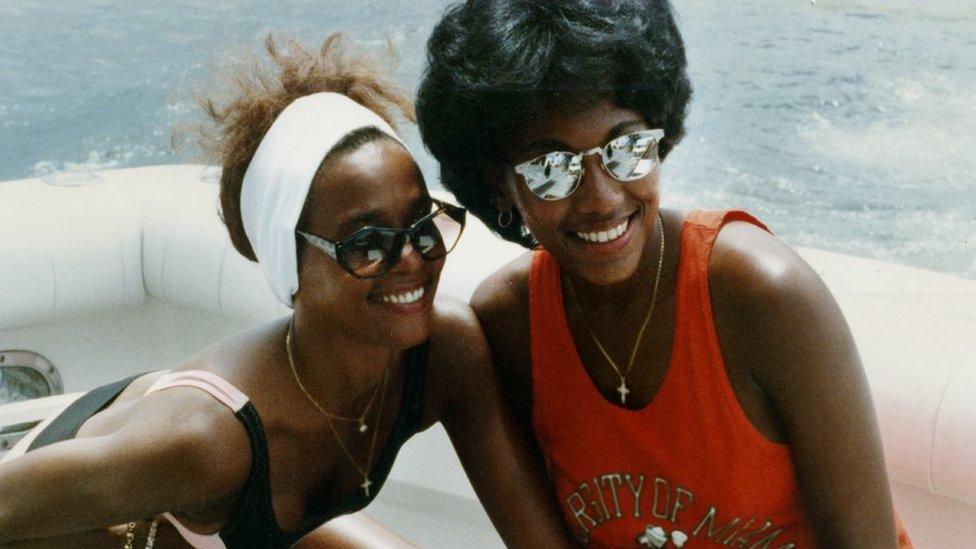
point(552, 176)
point(368, 254)
point(630, 157)
point(437, 236)
point(446, 229)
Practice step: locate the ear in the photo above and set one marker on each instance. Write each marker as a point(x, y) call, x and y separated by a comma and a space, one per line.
point(498, 178)
point(502, 202)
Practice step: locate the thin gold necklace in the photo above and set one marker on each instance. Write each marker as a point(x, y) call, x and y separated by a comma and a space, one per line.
point(361, 419)
point(364, 471)
point(622, 389)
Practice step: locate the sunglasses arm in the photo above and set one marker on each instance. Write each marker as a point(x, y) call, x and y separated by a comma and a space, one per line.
point(328, 247)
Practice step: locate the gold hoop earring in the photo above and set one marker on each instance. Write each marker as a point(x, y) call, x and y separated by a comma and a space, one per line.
point(505, 218)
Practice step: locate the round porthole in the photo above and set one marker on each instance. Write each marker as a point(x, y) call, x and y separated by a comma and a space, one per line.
point(24, 375)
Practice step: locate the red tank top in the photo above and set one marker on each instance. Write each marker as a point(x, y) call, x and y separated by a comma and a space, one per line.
point(687, 470)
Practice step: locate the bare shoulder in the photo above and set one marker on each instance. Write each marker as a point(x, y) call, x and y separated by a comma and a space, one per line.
point(752, 264)
point(454, 329)
point(196, 429)
point(769, 306)
point(502, 305)
point(756, 282)
point(458, 359)
point(470, 342)
point(190, 413)
point(185, 433)
point(505, 291)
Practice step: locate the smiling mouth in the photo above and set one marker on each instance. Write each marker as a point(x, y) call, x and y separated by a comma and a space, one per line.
point(402, 297)
point(601, 237)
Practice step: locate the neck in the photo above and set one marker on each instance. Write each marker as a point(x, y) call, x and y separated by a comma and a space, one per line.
point(340, 371)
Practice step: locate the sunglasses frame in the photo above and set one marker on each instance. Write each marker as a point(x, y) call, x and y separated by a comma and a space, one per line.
point(577, 158)
point(334, 249)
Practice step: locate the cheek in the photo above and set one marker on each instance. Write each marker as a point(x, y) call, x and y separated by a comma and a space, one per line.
point(649, 189)
point(537, 214)
point(541, 217)
point(325, 285)
point(434, 269)
point(645, 191)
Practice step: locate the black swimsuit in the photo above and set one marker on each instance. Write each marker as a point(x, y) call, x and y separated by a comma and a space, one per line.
point(252, 522)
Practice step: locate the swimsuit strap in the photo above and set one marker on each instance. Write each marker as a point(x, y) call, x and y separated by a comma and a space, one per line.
point(197, 541)
point(211, 383)
point(69, 421)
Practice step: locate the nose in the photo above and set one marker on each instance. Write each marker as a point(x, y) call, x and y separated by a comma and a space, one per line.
point(409, 260)
point(598, 192)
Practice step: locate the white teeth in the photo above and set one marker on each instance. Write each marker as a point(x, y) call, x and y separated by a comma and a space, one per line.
point(404, 298)
point(605, 236)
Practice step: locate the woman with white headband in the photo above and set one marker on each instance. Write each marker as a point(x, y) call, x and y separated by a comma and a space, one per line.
point(269, 434)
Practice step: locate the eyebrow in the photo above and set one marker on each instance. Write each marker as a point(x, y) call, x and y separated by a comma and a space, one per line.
point(359, 220)
point(376, 217)
point(549, 145)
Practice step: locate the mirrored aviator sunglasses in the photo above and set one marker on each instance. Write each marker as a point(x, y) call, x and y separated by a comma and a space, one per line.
point(371, 252)
point(555, 175)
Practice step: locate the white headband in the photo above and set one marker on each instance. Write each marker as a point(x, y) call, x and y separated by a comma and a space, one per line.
point(280, 174)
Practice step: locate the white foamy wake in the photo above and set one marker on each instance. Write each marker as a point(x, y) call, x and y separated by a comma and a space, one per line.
point(116, 157)
point(927, 135)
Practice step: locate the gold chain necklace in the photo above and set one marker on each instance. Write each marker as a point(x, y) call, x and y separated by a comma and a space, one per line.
point(328, 417)
point(622, 389)
point(361, 420)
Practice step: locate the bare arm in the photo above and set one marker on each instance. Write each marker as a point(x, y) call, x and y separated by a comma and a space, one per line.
point(777, 320)
point(504, 467)
point(163, 458)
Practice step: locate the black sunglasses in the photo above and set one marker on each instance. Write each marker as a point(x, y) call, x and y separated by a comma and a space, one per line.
point(372, 251)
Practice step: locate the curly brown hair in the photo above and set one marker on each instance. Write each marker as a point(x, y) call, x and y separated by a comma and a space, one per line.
point(239, 114)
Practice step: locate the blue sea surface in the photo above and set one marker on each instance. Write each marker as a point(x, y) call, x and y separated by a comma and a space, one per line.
point(845, 125)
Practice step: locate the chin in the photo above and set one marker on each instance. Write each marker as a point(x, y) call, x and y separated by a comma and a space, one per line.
point(606, 269)
point(406, 335)
point(397, 330)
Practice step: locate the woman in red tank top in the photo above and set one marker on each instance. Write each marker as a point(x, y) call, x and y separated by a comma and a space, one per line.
point(689, 379)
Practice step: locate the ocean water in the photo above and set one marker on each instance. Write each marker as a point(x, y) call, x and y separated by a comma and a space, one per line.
point(847, 125)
